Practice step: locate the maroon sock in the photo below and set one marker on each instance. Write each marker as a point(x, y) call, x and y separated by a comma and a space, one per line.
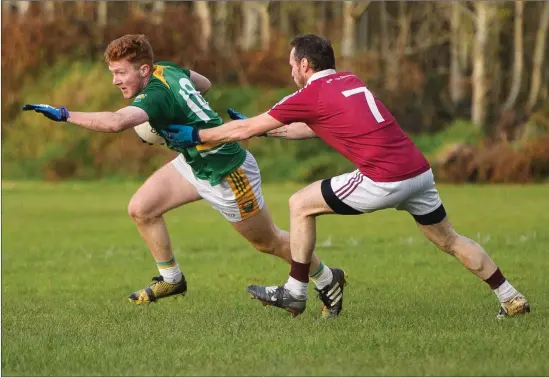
point(300, 271)
point(496, 279)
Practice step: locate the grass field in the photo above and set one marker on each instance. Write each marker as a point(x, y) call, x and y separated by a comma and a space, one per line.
point(71, 255)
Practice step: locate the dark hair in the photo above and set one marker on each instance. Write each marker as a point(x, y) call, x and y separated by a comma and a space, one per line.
point(317, 50)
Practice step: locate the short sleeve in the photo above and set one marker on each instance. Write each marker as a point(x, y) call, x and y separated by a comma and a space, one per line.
point(302, 106)
point(157, 102)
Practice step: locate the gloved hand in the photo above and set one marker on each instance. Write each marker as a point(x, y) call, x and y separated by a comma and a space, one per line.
point(53, 113)
point(181, 136)
point(234, 115)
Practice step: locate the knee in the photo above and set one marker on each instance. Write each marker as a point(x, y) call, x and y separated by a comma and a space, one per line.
point(297, 205)
point(138, 211)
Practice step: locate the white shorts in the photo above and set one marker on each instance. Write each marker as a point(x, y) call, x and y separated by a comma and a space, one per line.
point(238, 196)
point(354, 193)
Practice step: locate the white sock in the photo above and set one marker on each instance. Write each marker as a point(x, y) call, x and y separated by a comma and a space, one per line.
point(324, 279)
point(297, 288)
point(505, 292)
point(171, 275)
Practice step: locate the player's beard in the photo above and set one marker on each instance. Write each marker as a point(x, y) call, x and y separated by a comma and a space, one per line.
point(299, 80)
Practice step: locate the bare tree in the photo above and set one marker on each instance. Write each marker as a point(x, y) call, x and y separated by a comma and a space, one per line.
point(480, 82)
point(539, 53)
point(265, 35)
point(518, 58)
point(220, 26)
point(250, 25)
point(384, 30)
point(202, 11)
point(49, 10)
point(102, 13)
point(457, 92)
point(10, 7)
point(349, 26)
point(23, 6)
point(256, 17)
point(352, 10)
point(158, 8)
point(297, 17)
point(321, 15)
point(80, 9)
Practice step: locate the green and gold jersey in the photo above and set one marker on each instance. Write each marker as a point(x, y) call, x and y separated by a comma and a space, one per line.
point(171, 98)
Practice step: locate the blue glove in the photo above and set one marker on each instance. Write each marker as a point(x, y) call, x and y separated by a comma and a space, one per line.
point(181, 136)
point(53, 113)
point(234, 115)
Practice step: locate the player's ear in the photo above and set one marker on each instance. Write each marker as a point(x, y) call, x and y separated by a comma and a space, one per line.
point(304, 63)
point(144, 70)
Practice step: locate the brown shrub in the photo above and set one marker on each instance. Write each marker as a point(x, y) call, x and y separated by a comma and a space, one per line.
point(500, 162)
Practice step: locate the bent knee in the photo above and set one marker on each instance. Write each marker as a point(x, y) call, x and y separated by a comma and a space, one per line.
point(139, 212)
point(298, 205)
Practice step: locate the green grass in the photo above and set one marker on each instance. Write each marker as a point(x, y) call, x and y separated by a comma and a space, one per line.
point(71, 255)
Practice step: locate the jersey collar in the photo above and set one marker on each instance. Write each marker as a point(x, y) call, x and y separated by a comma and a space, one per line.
point(320, 74)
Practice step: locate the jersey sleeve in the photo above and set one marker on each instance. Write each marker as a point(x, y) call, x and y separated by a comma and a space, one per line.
point(157, 102)
point(302, 106)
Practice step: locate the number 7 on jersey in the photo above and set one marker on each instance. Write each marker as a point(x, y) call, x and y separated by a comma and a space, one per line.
point(369, 99)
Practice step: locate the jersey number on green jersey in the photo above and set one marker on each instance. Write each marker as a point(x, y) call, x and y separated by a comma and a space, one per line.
point(194, 99)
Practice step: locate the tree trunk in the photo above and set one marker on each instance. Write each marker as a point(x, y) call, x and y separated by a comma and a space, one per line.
point(518, 59)
point(49, 10)
point(256, 17)
point(203, 13)
point(403, 28)
point(539, 54)
point(479, 63)
point(158, 11)
point(6, 10)
point(284, 19)
point(395, 58)
point(80, 9)
point(220, 27)
point(250, 25)
point(22, 7)
point(348, 36)
point(265, 36)
point(384, 38)
point(321, 10)
point(457, 92)
point(102, 13)
point(361, 21)
point(363, 38)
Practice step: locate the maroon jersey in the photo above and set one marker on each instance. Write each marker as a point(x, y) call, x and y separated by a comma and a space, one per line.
point(345, 114)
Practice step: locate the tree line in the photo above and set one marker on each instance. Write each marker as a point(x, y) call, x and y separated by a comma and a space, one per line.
point(474, 59)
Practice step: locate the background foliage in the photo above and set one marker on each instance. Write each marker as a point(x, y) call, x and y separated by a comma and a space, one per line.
point(414, 55)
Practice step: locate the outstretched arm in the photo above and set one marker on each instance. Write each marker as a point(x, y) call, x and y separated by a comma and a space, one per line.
point(124, 118)
point(293, 131)
point(239, 129)
point(118, 121)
